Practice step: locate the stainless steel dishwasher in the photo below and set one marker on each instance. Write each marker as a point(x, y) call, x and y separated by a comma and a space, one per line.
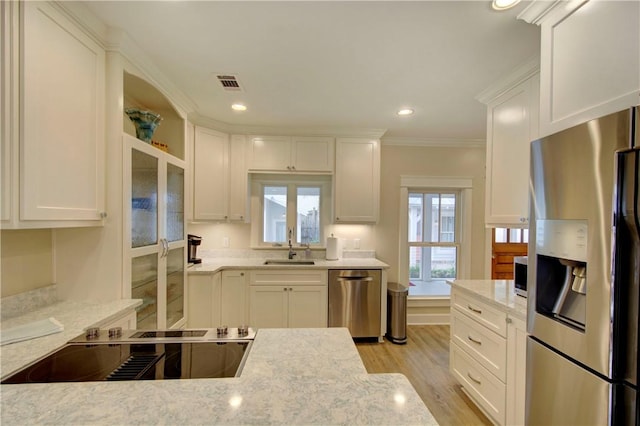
point(354, 301)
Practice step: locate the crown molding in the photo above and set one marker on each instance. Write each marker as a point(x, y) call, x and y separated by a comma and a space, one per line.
point(435, 143)
point(82, 17)
point(509, 81)
point(122, 43)
point(537, 10)
point(243, 129)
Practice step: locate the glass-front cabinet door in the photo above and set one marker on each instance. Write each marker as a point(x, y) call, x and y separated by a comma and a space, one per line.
point(175, 286)
point(144, 285)
point(157, 253)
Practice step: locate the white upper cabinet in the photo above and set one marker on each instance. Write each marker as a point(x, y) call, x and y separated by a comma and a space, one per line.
point(290, 154)
point(210, 175)
point(512, 123)
point(219, 176)
point(238, 184)
point(313, 154)
point(60, 138)
point(357, 180)
point(590, 62)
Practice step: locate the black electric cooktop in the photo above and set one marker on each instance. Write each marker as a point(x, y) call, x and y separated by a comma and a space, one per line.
point(136, 361)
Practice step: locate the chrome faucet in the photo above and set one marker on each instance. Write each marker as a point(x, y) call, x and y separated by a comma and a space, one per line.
point(291, 252)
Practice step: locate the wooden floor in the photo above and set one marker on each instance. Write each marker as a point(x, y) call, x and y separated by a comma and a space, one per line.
point(424, 360)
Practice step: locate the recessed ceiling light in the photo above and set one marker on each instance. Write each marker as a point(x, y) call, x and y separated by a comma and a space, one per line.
point(405, 111)
point(238, 107)
point(504, 4)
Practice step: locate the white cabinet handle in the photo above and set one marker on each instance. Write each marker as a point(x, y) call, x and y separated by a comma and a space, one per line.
point(474, 379)
point(472, 309)
point(165, 247)
point(476, 341)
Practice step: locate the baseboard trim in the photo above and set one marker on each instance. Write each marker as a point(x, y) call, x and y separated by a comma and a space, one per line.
point(428, 319)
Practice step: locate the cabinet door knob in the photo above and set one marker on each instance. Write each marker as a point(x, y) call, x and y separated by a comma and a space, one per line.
point(103, 215)
point(242, 274)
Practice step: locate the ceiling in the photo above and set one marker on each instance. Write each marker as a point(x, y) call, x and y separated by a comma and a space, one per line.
point(333, 64)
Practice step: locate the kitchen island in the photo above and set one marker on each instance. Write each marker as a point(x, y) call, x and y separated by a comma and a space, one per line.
point(75, 316)
point(291, 376)
point(488, 346)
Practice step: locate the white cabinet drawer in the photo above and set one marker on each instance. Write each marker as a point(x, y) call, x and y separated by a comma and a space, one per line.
point(297, 277)
point(485, 346)
point(486, 390)
point(487, 315)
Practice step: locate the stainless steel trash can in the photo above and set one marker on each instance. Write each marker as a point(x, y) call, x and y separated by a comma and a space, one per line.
point(397, 313)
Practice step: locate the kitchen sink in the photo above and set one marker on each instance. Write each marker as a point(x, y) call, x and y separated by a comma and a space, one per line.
point(288, 262)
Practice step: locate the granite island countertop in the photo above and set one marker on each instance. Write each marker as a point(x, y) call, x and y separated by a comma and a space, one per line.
point(499, 293)
point(292, 376)
point(75, 316)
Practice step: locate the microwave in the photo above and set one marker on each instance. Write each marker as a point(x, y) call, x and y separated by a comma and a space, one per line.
point(520, 275)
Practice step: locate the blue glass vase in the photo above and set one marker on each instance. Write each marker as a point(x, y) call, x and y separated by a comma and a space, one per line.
point(144, 121)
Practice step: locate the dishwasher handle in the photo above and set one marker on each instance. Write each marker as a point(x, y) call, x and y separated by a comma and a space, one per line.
point(355, 278)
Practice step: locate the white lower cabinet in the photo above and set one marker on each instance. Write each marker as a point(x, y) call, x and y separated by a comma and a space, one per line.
point(282, 299)
point(516, 371)
point(233, 298)
point(484, 388)
point(217, 299)
point(488, 357)
point(202, 292)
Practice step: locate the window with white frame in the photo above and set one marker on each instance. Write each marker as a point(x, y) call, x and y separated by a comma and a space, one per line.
point(432, 240)
point(434, 236)
point(287, 205)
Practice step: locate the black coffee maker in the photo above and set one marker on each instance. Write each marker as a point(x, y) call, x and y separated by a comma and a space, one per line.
point(193, 241)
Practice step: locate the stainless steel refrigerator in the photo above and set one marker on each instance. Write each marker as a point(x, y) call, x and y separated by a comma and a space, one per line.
point(583, 274)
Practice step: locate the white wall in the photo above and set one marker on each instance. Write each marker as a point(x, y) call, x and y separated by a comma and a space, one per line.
point(428, 161)
point(27, 260)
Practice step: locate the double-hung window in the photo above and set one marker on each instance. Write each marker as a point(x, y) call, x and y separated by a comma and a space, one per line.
point(433, 241)
point(435, 234)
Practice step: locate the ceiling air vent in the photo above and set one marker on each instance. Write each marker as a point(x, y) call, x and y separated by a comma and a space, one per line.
point(229, 83)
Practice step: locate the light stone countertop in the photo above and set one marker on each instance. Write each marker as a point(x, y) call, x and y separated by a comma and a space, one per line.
point(212, 265)
point(301, 352)
point(74, 316)
point(292, 376)
point(499, 293)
